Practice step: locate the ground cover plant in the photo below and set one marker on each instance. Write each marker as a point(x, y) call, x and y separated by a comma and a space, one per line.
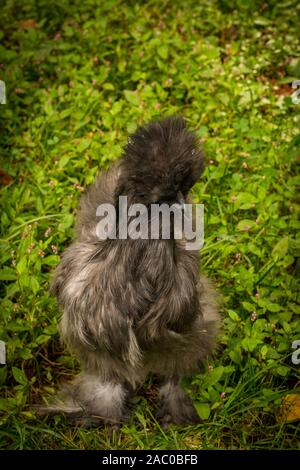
point(80, 76)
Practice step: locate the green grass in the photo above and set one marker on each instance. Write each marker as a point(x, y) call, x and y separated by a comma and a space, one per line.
point(81, 75)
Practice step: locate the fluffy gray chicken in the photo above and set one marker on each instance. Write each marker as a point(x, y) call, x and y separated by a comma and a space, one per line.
point(131, 308)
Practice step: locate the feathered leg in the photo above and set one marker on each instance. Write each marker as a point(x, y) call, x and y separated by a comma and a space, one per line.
point(175, 406)
point(90, 401)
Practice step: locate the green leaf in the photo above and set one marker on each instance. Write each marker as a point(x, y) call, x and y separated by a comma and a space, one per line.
point(63, 161)
point(248, 306)
point(272, 353)
point(216, 405)
point(83, 145)
point(65, 113)
point(50, 330)
point(108, 86)
point(19, 376)
point(132, 97)
point(34, 284)
point(12, 289)
point(22, 265)
point(42, 339)
point(282, 370)
point(8, 274)
point(264, 351)
point(249, 344)
point(233, 315)
point(7, 404)
point(24, 280)
point(262, 21)
point(215, 375)
point(268, 305)
point(203, 410)
point(281, 248)
point(163, 51)
point(244, 201)
point(66, 222)
point(51, 260)
point(235, 356)
point(245, 225)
